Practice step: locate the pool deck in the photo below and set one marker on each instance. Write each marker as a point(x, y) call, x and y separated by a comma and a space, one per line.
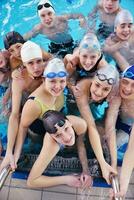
point(16, 189)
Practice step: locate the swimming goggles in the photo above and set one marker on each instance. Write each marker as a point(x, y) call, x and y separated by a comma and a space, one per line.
point(60, 123)
point(60, 74)
point(128, 74)
point(46, 5)
point(103, 77)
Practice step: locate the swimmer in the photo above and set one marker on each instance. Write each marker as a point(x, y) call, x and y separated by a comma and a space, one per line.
point(106, 11)
point(125, 126)
point(54, 27)
point(31, 55)
point(120, 44)
point(61, 132)
point(85, 60)
point(13, 42)
point(97, 94)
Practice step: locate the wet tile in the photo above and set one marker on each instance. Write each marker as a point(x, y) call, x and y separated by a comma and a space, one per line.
point(94, 191)
point(18, 183)
point(62, 189)
point(23, 194)
point(91, 198)
point(57, 196)
point(4, 193)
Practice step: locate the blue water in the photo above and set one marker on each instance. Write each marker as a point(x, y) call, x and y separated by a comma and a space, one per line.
point(21, 15)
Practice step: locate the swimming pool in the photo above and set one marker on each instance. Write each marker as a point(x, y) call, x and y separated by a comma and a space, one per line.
point(21, 15)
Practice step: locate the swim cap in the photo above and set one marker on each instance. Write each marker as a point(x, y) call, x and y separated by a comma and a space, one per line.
point(51, 118)
point(30, 50)
point(55, 67)
point(91, 43)
point(12, 38)
point(129, 72)
point(109, 73)
point(124, 16)
point(45, 5)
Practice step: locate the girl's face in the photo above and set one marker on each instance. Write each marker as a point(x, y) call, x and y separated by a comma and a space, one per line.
point(110, 6)
point(35, 67)
point(3, 61)
point(47, 18)
point(123, 31)
point(55, 86)
point(88, 59)
point(99, 90)
point(127, 88)
point(65, 135)
point(14, 50)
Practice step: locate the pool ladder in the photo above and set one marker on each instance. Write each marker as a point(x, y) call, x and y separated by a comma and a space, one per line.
point(4, 174)
point(115, 186)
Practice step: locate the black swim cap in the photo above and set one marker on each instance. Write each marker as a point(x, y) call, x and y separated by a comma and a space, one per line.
point(12, 38)
point(51, 118)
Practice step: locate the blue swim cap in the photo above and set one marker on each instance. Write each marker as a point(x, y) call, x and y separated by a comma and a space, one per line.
point(129, 73)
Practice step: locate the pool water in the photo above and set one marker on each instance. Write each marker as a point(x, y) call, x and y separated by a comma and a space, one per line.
point(21, 16)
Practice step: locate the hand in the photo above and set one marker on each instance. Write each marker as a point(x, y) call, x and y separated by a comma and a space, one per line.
point(73, 181)
point(120, 194)
point(18, 73)
point(76, 91)
point(106, 171)
point(8, 160)
point(86, 180)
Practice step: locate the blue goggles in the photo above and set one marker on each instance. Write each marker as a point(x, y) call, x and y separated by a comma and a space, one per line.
point(60, 74)
point(103, 77)
point(128, 74)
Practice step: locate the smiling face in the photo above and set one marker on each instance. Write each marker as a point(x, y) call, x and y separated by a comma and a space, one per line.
point(47, 18)
point(65, 135)
point(99, 90)
point(124, 30)
point(55, 86)
point(35, 67)
point(88, 59)
point(110, 6)
point(14, 50)
point(127, 88)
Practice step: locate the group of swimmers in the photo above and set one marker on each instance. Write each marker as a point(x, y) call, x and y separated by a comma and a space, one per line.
point(79, 78)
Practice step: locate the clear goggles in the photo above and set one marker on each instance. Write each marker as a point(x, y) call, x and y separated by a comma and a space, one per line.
point(103, 77)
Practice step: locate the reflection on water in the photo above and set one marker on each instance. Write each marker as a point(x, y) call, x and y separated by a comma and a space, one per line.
point(85, 194)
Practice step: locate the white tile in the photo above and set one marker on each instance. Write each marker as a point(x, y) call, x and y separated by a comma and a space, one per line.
point(62, 189)
point(4, 193)
point(57, 196)
point(23, 194)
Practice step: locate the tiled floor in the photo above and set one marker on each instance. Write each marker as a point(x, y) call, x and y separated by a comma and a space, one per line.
point(16, 189)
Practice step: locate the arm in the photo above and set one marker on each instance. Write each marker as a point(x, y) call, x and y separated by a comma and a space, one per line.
point(127, 166)
point(28, 116)
point(48, 152)
point(110, 130)
point(74, 16)
point(13, 124)
point(93, 132)
point(33, 33)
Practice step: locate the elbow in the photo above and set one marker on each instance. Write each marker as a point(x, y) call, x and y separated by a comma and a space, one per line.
point(30, 183)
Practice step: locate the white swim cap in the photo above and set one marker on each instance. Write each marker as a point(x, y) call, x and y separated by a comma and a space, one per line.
point(91, 43)
point(109, 72)
point(30, 50)
point(45, 5)
point(55, 67)
point(124, 16)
